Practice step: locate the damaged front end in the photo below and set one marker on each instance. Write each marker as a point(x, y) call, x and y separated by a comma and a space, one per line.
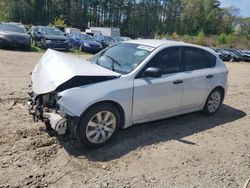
point(44, 107)
point(54, 73)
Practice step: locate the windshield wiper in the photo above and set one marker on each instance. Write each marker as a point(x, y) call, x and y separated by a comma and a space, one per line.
point(114, 61)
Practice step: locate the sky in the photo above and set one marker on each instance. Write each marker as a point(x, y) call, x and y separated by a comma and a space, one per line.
point(243, 5)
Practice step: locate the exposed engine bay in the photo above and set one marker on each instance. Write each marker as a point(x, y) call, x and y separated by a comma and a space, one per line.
point(44, 107)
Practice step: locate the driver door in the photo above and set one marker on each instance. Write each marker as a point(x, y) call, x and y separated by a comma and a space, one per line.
point(156, 97)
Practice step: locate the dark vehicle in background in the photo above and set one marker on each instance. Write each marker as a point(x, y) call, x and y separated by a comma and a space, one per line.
point(104, 40)
point(121, 39)
point(50, 37)
point(233, 55)
point(14, 35)
point(244, 55)
point(109, 40)
point(85, 43)
point(100, 39)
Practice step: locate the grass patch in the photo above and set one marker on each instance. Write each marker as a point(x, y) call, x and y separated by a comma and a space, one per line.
point(72, 50)
point(36, 49)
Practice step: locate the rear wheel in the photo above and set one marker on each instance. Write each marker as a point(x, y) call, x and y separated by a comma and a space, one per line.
point(213, 102)
point(99, 125)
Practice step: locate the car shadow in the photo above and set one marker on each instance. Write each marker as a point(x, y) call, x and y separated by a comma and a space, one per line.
point(141, 135)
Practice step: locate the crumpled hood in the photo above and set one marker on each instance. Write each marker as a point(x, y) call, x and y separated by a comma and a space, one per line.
point(56, 68)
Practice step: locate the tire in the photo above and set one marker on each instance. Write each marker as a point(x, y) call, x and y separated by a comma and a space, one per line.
point(35, 42)
point(213, 102)
point(28, 47)
point(93, 130)
point(67, 49)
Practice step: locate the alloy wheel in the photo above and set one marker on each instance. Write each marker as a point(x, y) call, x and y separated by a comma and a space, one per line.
point(101, 127)
point(214, 101)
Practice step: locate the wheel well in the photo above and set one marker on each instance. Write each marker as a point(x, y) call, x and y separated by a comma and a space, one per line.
point(115, 104)
point(222, 90)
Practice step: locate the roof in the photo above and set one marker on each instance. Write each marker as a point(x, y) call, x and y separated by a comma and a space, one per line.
point(11, 23)
point(158, 42)
point(154, 42)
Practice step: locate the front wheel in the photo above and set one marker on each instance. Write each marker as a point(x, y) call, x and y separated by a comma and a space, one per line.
point(99, 125)
point(213, 102)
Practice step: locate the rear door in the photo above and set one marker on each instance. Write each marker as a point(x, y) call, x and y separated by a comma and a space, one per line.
point(198, 76)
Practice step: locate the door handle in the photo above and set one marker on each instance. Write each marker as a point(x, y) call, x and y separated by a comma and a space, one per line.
point(210, 76)
point(178, 82)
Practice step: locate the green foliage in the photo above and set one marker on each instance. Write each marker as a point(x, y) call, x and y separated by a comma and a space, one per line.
point(136, 18)
point(200, 38)
point(225, 39)
point(59, 22)
point(222, 39)
point(175, 35)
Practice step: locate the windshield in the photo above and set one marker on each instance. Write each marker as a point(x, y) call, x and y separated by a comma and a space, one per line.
point(51, 31)
point(98, 37)
point(13, 28)
point(122, 58)
point(86, 37)
point(109, 39)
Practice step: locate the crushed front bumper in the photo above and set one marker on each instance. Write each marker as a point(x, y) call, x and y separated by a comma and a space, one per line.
point(49, 116)
point(57, 122)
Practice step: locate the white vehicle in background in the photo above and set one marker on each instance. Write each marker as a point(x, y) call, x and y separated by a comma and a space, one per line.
point(128, 83)
point(72, 31)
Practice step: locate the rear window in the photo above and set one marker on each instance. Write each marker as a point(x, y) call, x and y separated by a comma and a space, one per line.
point(211, 59)
point(195, 58)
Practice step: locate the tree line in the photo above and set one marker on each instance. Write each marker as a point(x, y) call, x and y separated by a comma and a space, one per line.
point(135, 18)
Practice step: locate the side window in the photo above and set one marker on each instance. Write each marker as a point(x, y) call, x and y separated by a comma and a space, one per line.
point(168, 60)
point(194, 59)
point(211, 59)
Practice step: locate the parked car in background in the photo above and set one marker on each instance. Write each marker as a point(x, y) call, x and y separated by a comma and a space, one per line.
point(235, 55)
point(100, 39)
point(245, 56)
point(109, 40)
point(131, 82)
point(14, 35)
point(50, 37)
point(85, 43)
point(121, 39)
point(224, 55)
point(72, 31)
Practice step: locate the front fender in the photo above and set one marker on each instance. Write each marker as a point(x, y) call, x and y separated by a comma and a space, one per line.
point(75, 101)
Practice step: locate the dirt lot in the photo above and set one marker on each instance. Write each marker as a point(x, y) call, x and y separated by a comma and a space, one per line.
point(186, 151)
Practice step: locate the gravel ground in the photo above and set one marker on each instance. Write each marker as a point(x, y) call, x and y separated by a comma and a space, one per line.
point(186, 151)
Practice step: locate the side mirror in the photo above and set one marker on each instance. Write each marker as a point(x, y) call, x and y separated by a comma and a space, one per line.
point(39, 33)
point(152, 72)
point(29, 32)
